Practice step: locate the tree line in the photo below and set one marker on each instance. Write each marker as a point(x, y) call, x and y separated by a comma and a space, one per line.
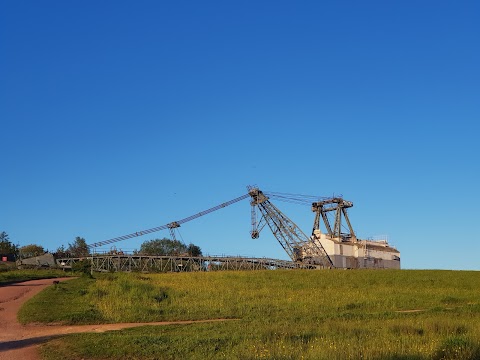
point(79, 248)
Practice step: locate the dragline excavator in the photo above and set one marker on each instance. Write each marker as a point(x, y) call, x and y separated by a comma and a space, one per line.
point(300, 248)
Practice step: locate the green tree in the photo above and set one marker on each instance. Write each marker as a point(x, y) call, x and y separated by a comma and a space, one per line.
point(61, 252)
point(84, 267)
point(163, 247)
point(31, 250)
point(79, 248)
point(194, 250)
point(6, 246)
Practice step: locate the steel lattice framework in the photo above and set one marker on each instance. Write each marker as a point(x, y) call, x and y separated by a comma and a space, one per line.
point(298, 246)
point(141, 263)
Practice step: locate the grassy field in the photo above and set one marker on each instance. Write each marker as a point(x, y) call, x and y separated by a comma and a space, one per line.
point(333, 314)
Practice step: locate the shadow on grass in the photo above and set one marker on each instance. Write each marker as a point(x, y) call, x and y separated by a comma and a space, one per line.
point(17, 283)
point(19, 344)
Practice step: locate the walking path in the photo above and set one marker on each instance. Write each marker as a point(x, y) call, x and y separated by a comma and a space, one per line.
point(21, 341)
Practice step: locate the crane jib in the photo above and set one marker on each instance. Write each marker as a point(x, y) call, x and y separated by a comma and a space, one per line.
point(166, 226)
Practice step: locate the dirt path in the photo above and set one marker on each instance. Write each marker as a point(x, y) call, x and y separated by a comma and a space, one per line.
point(21, 341)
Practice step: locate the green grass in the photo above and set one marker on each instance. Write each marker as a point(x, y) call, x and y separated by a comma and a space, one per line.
point(65, 303)
point(283, 315)
point(24, 275)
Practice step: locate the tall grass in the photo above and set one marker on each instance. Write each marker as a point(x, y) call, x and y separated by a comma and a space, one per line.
point(284, 315)
point(282, 294)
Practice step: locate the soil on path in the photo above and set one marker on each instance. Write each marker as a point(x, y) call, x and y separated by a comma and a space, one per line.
point(21, 341)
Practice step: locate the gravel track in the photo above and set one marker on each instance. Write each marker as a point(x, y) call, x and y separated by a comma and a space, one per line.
point(21, 341)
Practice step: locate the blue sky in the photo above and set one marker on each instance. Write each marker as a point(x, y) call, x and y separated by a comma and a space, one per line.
point(122, 116)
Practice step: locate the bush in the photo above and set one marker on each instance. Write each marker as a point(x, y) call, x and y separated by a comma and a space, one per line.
point(84, 267)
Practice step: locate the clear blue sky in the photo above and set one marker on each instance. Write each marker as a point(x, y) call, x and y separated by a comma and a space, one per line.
point(120, 116)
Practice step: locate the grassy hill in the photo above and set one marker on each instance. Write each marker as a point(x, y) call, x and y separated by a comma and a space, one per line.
point(331, 314)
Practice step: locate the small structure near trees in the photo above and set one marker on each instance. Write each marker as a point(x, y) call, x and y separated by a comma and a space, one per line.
point(8, 250)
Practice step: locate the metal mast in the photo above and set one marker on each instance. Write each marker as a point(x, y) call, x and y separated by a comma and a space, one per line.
point(339, 205)
point(298, 246)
